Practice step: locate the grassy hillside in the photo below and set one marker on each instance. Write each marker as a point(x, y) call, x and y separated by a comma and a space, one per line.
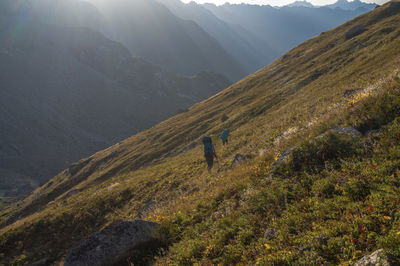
point(333, 201)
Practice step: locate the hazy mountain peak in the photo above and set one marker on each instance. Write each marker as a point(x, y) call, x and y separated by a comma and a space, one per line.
point(301, 4)
point(351, 5)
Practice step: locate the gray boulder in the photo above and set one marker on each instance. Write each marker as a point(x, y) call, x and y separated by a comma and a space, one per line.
point(114, 243)
point(269, 233)
point(376, 258)
point(350, 93)
point(238, 159)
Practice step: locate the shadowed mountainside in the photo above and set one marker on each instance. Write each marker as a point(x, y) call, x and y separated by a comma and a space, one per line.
point(151, 31)
point(67, 92)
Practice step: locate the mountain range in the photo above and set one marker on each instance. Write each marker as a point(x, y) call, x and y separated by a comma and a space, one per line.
point(317, 132)
point(281, 29)
point(343, 4)
point(352, 5)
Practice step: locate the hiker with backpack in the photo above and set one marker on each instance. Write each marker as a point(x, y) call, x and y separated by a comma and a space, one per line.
point(209, 152)
point(224, 136)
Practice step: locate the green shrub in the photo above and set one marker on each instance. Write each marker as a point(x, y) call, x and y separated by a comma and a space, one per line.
point(324, 187)
point(357, 188)
point(313, 156)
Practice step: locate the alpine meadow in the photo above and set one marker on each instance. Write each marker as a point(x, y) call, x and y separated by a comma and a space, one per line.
point(310, 175)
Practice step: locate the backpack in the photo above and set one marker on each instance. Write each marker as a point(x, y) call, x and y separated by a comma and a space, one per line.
point(225, 134)
point(208, 147)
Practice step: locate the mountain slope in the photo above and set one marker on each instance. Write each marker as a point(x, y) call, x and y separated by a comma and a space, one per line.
point(296, 97)
point(68, 92)
point(238, 43)
point(283, 28)
point(151, 31)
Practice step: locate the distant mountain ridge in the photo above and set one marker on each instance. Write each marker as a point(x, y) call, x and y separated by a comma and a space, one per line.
point(239, 42)
point(256, 35)
point(300, 3)
point(351, 5)
point(343, 4)
point(280, 29)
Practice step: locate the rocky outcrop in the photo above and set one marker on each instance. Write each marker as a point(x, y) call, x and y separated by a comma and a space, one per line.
point(347, 130)
point(350, 93)
point(376, 258)
point(343, 131)
point(283, 158)
point(354, 31)
point(114, 243)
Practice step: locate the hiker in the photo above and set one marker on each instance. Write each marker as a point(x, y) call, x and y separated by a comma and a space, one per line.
point(224, 136)
point(209, 152)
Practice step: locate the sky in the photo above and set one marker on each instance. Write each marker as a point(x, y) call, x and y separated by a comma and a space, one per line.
point(275, 2)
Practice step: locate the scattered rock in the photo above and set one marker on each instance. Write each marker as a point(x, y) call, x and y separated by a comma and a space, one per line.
point(347, 130)
point(354, 31)
point(376, 258)
point(114, 243)
point(373, 133)
point(283, 158)
point(342, 131)
point(72, 192)
point(286, 134)
point(269, 233)
point(350, 93)
point(41, 262)
point(238, 159)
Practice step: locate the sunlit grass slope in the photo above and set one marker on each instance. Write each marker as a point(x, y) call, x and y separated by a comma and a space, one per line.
point(221, 217)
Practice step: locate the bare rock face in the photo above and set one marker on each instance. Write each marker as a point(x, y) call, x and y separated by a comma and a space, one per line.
point(376, 258)
point(113, 244)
